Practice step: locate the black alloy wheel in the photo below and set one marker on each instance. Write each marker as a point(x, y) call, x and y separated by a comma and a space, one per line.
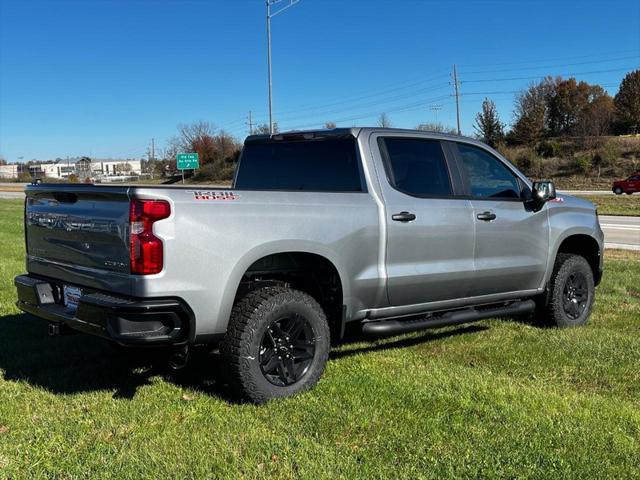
point(287, 350)
point(575, 295)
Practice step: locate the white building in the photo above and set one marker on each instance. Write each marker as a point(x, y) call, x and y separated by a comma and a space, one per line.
point(85, 167)
point(9, 171)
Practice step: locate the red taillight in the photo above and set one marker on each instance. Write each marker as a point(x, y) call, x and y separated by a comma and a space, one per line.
point(146, 249)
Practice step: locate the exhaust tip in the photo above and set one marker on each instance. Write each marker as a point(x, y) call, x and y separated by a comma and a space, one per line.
point(179, 359)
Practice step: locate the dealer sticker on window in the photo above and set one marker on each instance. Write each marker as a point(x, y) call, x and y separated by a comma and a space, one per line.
point(72, 297)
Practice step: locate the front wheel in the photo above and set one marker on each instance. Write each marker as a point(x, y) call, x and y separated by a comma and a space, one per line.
point(570, 293)
point(277, 343)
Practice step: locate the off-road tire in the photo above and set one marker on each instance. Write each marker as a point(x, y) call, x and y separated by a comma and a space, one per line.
point(552, 311)
point(250, 318)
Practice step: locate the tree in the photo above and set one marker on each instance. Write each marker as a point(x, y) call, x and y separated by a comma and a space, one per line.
point(577, 108)
point(597, 116)
point(436, 127)
point(264, 129)
point(488, 125)
point(530, 112)
point(123, 168)
point(384, 121)
point(627, 102)
point(330, 125)
point(216, 149)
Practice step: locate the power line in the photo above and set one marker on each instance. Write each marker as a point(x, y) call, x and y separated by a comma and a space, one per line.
point(557, 59)
point(321, 110)
point(364, 105)
point(609, 60)
point(401, 108)
point(314, 109)
point(575, 74)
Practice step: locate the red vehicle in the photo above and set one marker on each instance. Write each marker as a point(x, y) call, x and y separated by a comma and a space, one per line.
point(628, 186)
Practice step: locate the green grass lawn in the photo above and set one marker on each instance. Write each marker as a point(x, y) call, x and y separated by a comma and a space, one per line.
point(616, 204)
point(494, 399)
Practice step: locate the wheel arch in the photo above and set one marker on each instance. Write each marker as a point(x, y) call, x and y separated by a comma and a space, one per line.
point(583, 244)
point(271, 261)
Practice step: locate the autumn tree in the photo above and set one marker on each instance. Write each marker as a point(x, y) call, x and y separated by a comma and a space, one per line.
point(597, 117)
point(217, 150)
point(488, 126)
point(530, 112)
point(627, 102)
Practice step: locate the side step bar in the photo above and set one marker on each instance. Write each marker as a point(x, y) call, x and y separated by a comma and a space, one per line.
point(385, 328)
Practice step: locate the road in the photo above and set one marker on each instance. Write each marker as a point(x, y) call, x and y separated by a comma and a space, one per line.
point(621, 232)
point(11, 194)
point(587, 192)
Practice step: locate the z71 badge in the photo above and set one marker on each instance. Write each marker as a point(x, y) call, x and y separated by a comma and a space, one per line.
point(213, 195)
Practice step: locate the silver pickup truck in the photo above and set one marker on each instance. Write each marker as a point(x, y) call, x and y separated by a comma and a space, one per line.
point(390, 231)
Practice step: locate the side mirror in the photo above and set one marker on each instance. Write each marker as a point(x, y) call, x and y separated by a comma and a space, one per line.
point(542, 192)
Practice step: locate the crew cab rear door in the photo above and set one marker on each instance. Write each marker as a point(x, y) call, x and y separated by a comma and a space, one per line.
point(512, 240)
point(430, 237)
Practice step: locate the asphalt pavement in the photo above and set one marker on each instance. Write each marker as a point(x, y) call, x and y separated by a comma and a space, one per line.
point(587, 192)
point(621, 232)
point(11, 194)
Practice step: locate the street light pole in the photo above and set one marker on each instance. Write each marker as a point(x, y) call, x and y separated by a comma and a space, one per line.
point(269, 16)
point(269, 66)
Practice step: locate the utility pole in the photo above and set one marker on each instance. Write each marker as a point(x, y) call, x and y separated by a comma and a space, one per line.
point(435, 109)
point(153, 149)
point(456, 85)
point(269, 16)
point(250, 123)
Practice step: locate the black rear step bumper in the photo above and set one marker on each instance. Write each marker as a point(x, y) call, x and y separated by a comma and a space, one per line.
point(128, 321)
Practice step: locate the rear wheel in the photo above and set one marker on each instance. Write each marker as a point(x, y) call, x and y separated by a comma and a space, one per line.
point(618, 191)
point(570, 292)
point(277, 343)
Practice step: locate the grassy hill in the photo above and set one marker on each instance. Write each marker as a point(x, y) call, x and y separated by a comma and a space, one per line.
point(578, 164)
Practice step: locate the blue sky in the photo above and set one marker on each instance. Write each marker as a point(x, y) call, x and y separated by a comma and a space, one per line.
point(102, 77)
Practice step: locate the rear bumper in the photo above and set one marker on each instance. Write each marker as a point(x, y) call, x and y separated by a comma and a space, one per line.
point(128, 321)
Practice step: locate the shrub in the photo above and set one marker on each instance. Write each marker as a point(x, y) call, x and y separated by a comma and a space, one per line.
point(584, 162)
point(549, 149)
point(215, 172)
point(607, 155)
point(73, 178)
point(25, 177)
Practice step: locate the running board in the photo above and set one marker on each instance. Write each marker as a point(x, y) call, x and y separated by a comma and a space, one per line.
point(385, 328)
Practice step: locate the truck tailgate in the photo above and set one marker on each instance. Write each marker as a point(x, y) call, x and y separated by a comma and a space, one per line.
point(77, 227)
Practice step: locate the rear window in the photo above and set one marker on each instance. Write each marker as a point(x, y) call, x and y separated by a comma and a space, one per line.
point(417, 167)
point(328, 165)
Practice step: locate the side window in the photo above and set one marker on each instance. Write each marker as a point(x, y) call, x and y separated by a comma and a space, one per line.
point(417, 166)
point(488, 176)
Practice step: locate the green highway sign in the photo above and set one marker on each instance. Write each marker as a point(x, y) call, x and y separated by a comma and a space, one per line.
point(187, 161)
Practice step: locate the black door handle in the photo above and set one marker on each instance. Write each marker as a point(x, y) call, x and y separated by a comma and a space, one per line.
point(486, 216)
point(403, 217)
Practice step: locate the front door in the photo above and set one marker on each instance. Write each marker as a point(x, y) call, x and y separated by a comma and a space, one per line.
point(512, 241)
point(430, 236)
